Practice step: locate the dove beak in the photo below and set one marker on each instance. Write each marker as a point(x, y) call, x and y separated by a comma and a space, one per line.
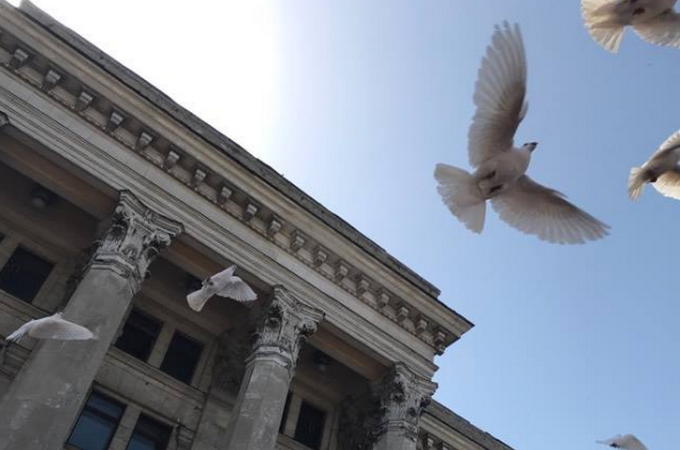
point(532, 146)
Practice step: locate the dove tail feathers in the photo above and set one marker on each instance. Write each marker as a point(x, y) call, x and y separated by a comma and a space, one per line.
point(636, 183)
point(600, 19)
point(197, 299)
point(460, 193)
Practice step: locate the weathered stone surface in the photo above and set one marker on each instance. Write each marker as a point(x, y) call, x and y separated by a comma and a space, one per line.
point(41, 406)
point(285, 326)
point(403, 396)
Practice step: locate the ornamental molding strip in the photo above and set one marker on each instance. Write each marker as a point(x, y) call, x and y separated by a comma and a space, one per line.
point(72, 94)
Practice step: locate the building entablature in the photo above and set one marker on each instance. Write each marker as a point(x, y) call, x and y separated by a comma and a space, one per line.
point(211, 178)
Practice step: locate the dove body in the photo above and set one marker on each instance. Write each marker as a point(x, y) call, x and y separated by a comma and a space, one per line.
point(501, 172)
point(662, 170)
point(224, 284)
point(654, 20)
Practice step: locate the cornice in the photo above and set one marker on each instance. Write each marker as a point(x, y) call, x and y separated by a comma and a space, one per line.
point(106, 116)
point(440, 428)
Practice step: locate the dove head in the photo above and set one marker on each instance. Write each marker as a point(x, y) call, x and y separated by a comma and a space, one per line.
point(530, 146)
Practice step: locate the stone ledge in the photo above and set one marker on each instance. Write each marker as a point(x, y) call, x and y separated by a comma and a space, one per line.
point(223, 143)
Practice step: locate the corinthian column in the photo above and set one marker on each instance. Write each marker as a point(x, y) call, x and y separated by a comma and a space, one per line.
point(285, 326)
point(43, 402)
point(403, 396)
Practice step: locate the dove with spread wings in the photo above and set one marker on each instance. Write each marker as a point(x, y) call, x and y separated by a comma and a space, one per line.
point(500, 167)
point(52, 327)
point(662, 170)
point(627, 442)
point(655, 21)
point(224, 284)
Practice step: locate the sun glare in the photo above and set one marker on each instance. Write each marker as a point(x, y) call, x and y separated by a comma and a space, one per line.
point(218, 59)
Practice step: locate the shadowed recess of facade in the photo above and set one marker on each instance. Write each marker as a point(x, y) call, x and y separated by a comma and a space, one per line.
point(116, 203)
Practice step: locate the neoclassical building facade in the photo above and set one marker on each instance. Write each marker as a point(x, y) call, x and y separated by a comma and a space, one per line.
point(116, 202)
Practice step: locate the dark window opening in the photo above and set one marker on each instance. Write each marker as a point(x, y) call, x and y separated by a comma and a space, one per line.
point(97, 423)
point(24, 274)
point(139, 335)
point(284, 417)
point(149, 435)
point(181, 358)
point(309, 429)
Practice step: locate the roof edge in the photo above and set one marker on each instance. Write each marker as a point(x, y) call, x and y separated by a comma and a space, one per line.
point(465, 427)
point(224, 144)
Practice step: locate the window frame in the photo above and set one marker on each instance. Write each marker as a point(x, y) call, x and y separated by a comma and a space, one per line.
point(326, 415)
point(146, 416)
point(197, 363)
point(154, 343)
point(99, 414)
point(22, 247)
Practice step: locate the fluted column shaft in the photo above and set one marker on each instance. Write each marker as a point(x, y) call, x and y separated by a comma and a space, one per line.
point(44, 400)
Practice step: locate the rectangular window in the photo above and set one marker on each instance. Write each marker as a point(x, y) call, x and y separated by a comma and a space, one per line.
point(309, 429)
point(182, 357)
point(24, 274)
point(97, 423)
point(149, 435)
point(139, 335)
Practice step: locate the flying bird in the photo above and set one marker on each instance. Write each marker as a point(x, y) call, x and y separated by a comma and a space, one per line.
point(662, 170)
point(627, 442)
point(655, 21)
point(52, 327)
point(500, 166)
point(224, 284)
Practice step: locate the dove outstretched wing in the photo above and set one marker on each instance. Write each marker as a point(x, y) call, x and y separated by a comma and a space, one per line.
point(663, 29)
point(544, 212)
point(500, 94)
point(628, 442)
point(238, 290)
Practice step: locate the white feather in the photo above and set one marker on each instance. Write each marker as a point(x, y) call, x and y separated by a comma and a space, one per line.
point(224, 284)
point(52, 327)
point(602, 22)
point(198, 299)
point(636, 183)
point(460, 193)
point(538, 210)
point(664, 166)
point(238, 290)
point(663, 29)
point(627, 442)
point(653, 20)
point(499, 96)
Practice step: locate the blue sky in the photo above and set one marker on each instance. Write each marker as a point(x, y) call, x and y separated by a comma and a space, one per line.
point(357, 101)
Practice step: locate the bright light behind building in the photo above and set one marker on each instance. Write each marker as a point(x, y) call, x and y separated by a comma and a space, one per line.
point(218, 59)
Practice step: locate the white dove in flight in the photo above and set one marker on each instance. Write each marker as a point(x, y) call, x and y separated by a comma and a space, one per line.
point(500, 166)
point(627, 442)
point(224, 284)
point(655, 21)
point(662, 170)
point(52, 327)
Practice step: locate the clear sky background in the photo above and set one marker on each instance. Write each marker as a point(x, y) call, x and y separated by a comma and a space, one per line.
point(356, 101)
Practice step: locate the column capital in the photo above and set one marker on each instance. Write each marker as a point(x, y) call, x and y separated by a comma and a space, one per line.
point(135, 236)
point(285, 326)
point(403, 396)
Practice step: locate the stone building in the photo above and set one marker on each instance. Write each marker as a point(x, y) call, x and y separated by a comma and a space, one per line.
point(116, 202)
